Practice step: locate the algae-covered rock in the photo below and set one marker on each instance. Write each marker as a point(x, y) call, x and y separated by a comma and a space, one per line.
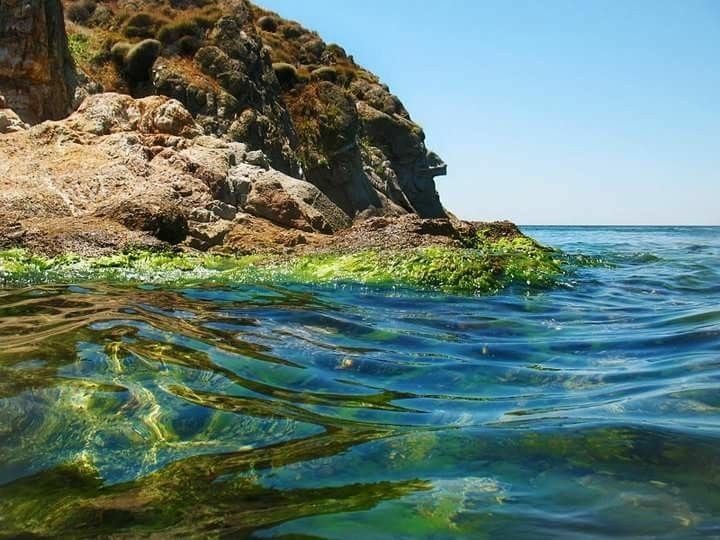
point(290, 257)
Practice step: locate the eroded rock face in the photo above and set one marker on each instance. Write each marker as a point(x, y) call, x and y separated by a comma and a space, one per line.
point(293, 203)
point(10, 122)
point(245, 114)
point(36, 70)
point(250, 76)
point(236, 93)
point(138, 171)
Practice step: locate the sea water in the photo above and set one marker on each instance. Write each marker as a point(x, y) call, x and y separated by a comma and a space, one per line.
point(587, 410)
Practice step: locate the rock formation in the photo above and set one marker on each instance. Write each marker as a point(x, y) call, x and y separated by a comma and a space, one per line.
point(218, 117)
point(250, 76)
point(36, 70)
point(137, 171)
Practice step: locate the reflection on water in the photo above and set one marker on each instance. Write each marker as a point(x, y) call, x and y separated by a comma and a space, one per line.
point(350, 412)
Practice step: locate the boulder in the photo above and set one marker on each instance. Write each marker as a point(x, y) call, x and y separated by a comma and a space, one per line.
point(252, 234)
point(103, 114)
point(10, 122)
point(293, 203)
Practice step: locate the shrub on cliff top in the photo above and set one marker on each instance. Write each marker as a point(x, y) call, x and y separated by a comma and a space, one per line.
point(340, 75)
point(80, 11)
point(141, 25)
point(286, 74)
point(193, 26)
point(119, 52)
point(292, 31)
point(327, 73)
point(268, 23)
point(141, 58)
point(334, 52)
point(188, 45)
point(172, 32)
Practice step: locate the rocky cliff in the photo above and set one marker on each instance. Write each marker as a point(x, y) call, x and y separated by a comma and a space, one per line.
point(37, 75)
point(250, 76)
point(210, 118)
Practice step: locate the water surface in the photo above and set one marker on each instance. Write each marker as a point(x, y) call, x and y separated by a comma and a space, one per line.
point(590, 410)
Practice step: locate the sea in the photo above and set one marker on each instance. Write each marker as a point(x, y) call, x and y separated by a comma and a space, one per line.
point(589, 409)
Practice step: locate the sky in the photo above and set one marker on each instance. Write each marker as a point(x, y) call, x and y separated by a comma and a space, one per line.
point(553, 111)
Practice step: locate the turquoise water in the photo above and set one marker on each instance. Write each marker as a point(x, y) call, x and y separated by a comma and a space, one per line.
point(589, 410)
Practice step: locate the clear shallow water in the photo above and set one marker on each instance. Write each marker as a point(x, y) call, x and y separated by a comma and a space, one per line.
point(588, 411)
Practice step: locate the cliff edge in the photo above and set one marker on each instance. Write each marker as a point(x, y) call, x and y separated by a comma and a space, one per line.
point(204, 124)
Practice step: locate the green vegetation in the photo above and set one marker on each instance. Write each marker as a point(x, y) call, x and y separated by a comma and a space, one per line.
point(268, 23)
point(79, 45)
point(141, 25)
point(336, 51)
point(436, 268)
point(80, 11)
point(486, 269)
point(327, 73)
point(189, 26)
point(119, 52)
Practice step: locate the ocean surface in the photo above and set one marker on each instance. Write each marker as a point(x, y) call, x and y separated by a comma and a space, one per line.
point(587, 410)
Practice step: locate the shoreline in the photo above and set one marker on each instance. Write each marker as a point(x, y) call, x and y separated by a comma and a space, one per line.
point(484, 261)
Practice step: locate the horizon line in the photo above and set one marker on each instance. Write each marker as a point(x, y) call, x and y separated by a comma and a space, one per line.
point(648, 225)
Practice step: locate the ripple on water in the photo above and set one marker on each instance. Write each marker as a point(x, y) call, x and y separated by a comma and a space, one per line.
point(350, 412)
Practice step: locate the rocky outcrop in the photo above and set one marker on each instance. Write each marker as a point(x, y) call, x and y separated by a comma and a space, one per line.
point(10, 122)
point(37, 75)
point(143, 166)
point(249, 76)
point(227, 116)
point(247, 106)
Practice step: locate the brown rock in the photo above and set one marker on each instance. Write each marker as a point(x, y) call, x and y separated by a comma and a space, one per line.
point(37, 74)
point(252, 235)
point(11, 122)
point(293, 203)
point(85, 236)
point(139, 167)
point(160, 217)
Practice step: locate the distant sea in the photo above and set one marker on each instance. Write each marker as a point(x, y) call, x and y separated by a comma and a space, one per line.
point(588, 410)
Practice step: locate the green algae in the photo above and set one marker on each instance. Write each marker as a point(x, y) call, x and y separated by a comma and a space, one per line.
point(437, 268)
point(485, 267)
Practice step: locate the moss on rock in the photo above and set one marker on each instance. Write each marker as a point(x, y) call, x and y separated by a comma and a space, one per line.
point(488, 268)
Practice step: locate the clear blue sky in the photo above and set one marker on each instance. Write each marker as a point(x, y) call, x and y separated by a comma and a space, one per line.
point(553, 111)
